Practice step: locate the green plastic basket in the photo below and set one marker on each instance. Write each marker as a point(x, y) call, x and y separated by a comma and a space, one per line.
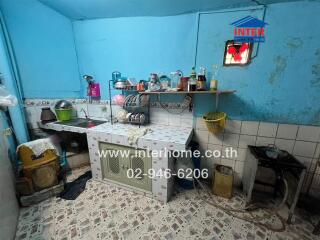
point(64, 114)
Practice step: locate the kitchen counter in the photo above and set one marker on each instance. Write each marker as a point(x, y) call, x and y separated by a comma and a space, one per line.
point(171, 137)
point(161, 138)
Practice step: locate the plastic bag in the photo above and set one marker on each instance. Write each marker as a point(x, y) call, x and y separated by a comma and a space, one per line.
point(6, 99)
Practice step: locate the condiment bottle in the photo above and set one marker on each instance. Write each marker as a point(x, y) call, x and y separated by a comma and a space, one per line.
point(192, 85)
point(201, 83)
point(184, 84)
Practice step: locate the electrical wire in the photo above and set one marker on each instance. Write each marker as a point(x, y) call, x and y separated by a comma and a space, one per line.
point(263, 18)
point(249, 209)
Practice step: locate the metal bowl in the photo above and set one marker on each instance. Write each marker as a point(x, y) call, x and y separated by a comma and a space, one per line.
point(63, 104)
point(120, 85)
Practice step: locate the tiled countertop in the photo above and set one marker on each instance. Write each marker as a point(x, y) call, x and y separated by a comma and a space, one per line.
point(173, 138)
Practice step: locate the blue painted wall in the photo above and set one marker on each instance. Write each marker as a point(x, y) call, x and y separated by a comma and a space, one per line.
point(8, 79)
point(44, 47)
point(281, 85)
point(135, 46)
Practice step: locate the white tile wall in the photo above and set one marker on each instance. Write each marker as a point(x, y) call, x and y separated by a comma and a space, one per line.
point(233, 126)
point(267, 129)
point(309, 133)
point(287, 131)
point(264, 141)
point(249, 128)
point(200, 124)
point(230, 139)
point(317, 153)
point(304, 149)
point(285, 144)
point(301, 141)
point(102, 111)
point(202, 136)
point(246, 140)
point(216, 138)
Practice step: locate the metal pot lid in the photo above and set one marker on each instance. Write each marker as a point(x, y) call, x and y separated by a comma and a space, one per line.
point(63, 104)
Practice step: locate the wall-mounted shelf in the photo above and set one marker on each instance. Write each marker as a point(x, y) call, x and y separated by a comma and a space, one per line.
point(194, 92)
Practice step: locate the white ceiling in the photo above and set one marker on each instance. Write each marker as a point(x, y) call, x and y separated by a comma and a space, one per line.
point(91, 9)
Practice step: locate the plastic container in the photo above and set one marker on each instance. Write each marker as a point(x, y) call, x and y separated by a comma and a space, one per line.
point(223, 181)
point(64, 114)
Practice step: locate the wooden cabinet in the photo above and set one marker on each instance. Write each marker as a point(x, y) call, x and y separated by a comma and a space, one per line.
point(117, 160)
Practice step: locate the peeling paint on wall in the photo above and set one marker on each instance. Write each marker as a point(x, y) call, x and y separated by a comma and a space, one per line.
point(294, 43)
point(281, 64)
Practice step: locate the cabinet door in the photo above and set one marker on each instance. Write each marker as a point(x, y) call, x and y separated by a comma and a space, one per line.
point(111, 164)
point(140, 165)
point(116, 167)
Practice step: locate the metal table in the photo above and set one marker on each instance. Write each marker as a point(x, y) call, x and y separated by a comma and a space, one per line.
point(287, 167)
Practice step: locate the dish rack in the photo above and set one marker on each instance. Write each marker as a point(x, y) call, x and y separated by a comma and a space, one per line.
point(136, 107)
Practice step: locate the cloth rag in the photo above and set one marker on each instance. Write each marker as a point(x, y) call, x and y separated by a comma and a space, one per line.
point(39, 146)
point(135, 134)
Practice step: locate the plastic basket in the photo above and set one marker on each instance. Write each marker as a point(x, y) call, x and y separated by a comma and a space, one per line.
point(215, 121)
point(64, 114)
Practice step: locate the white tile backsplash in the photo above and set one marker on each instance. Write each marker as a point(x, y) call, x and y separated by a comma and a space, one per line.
point(216, 138)
point(242, 154)
point(287, 131)
point(229, 152)
point(249, 128)
point(246, 140)
point(267, 129)
point(97, 111)
point(228, 162)
point(239, 167)
point(285, 144)
point(302, 141)
point(80, 113)
point(305, 161)
point(232, 126)
point(231, 139)
point(202, 136)
point(201, 124)
point(304, 149)
point(308, 133)
point(317, 153)
point(264, 141)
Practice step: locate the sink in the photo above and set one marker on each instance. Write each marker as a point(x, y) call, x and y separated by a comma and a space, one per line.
point(82, 122)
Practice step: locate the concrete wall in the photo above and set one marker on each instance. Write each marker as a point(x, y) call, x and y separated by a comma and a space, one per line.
point(280, 85)
point(44, 47)
point(135, 46)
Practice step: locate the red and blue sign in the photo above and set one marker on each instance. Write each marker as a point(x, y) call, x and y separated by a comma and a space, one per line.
point(249, 29)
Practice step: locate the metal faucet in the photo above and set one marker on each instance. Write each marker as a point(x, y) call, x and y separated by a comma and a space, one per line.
point(85, 113)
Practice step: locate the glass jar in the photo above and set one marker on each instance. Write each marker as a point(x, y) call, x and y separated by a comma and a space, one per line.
point(184, 82)
point(165, 82)
point(192, 85)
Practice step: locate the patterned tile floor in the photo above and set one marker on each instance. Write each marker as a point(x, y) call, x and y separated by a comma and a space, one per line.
point(106, 212)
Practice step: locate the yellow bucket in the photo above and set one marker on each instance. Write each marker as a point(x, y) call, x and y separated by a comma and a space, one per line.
point(215, 121)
